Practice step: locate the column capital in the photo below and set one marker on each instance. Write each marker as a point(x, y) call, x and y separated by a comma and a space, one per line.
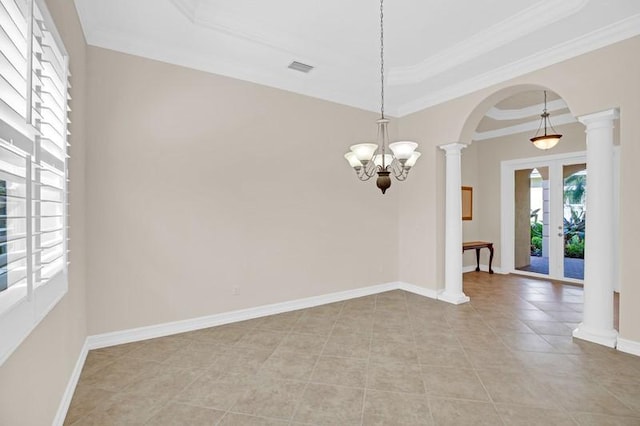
point(452, 148)
point(600, 119)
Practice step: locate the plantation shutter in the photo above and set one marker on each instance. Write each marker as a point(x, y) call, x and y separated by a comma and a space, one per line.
point(50, 110)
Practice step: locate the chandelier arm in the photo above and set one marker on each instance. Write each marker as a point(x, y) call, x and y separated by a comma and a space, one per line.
point(363, 176)
point(369, 171)
point(400, 173)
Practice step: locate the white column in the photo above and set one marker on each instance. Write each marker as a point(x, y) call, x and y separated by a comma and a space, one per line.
point(453, 226)
point(597, 322)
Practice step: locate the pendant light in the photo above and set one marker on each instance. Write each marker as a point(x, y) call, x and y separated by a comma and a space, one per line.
point(545, 141)
point(383, 158)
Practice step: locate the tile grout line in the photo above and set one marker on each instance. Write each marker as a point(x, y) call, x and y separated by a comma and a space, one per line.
point(415, 346)
point(295, 411)
point(366, 371)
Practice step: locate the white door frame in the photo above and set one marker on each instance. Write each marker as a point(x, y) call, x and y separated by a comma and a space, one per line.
point(507, 198)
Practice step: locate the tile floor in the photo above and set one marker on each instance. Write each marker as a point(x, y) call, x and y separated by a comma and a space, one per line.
point(391, 359)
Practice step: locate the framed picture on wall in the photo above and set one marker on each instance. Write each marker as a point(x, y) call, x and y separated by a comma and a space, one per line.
point(467, 203)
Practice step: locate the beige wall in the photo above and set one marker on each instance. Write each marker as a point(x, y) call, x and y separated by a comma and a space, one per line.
point(602, 79)
point(201, 183)
point(34, 378)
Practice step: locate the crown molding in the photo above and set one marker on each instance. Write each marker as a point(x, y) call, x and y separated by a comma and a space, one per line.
point(533, 18)
point(530, 126)
point(613, 33)
point(530, 111)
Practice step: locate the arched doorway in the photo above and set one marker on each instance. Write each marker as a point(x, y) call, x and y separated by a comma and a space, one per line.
point(597, 324)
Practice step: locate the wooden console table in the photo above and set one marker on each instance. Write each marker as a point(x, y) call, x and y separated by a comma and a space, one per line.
point(477, 245)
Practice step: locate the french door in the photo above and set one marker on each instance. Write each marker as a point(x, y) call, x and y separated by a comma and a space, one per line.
point(544, 215)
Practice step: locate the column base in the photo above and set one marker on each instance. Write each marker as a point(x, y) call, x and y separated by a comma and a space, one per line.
point(607, 338)
point(453, 298)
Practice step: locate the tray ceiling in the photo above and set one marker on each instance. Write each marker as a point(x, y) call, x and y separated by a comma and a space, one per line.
point(434, 50)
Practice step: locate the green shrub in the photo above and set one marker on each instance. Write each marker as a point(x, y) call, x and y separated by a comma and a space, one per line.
point(536, 246)
point(574, 248)
point(536, 230)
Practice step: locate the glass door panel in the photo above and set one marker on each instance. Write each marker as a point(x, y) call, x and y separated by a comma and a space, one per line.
point(574, 213)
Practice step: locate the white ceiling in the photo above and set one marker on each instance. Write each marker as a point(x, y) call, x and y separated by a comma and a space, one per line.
point(435, 50)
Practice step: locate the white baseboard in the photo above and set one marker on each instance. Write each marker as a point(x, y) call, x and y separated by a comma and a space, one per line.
point(167, 329)
point(628, 346)
point(71, 386)
point(421, 291)
point(484, 268)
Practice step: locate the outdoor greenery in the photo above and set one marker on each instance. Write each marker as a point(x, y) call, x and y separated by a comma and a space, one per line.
point(574, 235)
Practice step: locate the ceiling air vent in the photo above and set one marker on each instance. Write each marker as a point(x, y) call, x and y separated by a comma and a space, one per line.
point(299, 66)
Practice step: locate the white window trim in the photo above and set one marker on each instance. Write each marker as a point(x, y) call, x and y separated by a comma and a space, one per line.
point(22, 308)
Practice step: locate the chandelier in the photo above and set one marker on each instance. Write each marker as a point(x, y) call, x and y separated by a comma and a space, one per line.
point(546, 141)
point(383, 158)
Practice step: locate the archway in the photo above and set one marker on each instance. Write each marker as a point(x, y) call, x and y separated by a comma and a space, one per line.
point(597, 325)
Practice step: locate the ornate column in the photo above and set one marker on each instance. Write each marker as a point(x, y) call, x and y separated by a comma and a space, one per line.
point(597, 322)
point(453, 226)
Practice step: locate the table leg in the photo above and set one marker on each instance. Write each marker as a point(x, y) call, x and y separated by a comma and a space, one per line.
point(490, 258)
point(477, 260)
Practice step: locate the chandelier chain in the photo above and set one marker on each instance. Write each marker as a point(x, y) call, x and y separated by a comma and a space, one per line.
point(381, 60)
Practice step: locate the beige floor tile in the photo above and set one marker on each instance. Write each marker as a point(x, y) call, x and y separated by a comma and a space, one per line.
point(554, 328)
point(159, 349)
point(340, 371)
point(393, 348)
point(175, 414)
point(587, 396)
point(196, 354)
point(279, 322)
point(235, 419)
point(586, 419)
point(517, 388)
point(119, 350)
point(517, 415)
point(453, 383)
point(311, 344)
point(85, 400)
point(526, 342)
point(260, 340)
point(123, 410)
point(315, 325)
point(351, 327)
point(514, 337)
point(209, 391)
point(451, 412)
point(350, 345)
point(118, 375)
point(443, 357)
point(395, 377)
point(271, 398)
point(289, 365)
point(239, 362)
point(628, 393)
point(392, 408)
point(97, 361)
point(163, 382)
point(330, 405)
point(222, 334)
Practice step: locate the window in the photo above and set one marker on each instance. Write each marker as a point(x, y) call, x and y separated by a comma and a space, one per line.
point(33, 169)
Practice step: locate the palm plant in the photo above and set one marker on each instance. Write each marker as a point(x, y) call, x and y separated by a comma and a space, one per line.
point(575, 187)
